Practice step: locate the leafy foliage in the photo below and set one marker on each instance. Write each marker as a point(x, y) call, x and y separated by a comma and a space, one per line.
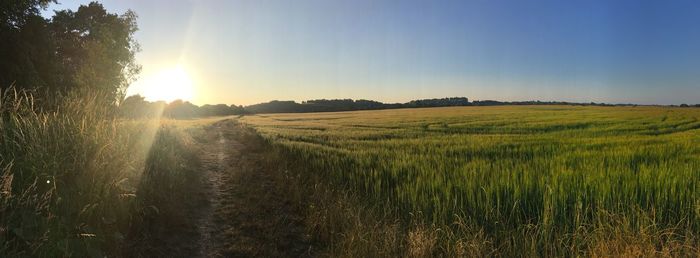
point(87, 50)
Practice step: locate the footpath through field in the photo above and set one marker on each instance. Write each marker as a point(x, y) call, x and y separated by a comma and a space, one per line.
point(246, 214)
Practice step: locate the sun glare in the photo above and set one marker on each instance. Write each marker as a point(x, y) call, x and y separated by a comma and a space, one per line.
point(170, 84)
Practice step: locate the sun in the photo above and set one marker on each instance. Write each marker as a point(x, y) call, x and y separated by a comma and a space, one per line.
point(169, 84)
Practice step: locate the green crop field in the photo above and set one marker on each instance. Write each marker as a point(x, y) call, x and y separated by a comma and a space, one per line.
point(538, 178)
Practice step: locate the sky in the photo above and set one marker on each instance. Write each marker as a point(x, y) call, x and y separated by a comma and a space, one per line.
point(247, 52)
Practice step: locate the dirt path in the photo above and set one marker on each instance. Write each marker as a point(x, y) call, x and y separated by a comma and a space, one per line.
point(246, 213)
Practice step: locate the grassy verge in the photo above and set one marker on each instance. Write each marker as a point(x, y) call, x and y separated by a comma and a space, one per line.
point(75, 182)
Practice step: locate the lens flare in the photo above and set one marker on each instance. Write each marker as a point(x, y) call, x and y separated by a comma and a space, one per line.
point(169, 84)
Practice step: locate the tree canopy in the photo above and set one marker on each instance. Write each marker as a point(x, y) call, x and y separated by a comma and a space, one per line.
point(85, 50)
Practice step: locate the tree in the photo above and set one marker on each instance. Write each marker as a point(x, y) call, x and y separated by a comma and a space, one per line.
point(25, 48)
point(181, 109)
point(135, 106)
point(14, 13)
point(97, 49)
point(215, 110)
point(89, 50)
point(238, 110)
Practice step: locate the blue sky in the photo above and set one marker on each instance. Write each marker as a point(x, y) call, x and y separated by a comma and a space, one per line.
point(246, 52)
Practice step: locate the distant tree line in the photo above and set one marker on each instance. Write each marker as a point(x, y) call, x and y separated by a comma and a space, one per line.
point(324, 105)
point(332, 105)
point(537, 102)
point(137, 107)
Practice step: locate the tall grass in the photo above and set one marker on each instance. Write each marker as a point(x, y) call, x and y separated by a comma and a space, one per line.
point(555, 180)
point(69, 176)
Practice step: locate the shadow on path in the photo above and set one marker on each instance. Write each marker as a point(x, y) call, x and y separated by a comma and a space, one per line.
point(246, 213)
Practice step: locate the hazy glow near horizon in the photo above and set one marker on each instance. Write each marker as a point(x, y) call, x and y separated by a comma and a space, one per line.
point(246, 52)
point(167, 85)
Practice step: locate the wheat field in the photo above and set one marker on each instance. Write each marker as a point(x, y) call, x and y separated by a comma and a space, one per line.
point(550, 180)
